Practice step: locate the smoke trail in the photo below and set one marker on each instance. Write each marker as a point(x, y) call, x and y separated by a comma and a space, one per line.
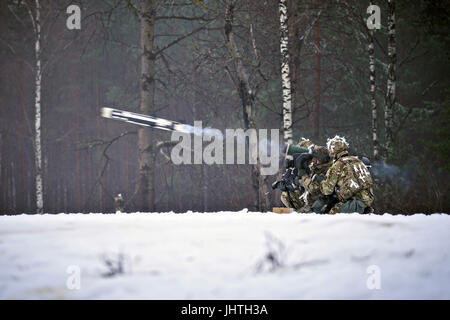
point(389, 173)
point(198, 130)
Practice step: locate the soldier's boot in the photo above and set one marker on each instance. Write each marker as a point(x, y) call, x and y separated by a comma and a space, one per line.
point(305, 209)
point(319, 206)
point(350, 206)
point(369, 209)
point(334, 210)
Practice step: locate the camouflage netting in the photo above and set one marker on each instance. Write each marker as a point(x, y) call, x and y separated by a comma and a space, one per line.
point(337, 145)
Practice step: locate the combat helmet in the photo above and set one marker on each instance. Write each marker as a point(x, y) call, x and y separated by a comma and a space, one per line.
point(321, 153)
point(337, 145)
point(306, 143)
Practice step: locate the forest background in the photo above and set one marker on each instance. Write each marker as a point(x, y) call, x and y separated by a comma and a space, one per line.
point(220, 62)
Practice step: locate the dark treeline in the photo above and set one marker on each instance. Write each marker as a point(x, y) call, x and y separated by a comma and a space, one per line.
point(87, 160)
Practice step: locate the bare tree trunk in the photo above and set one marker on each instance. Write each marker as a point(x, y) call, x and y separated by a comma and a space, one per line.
point(372, 95)
point(13, 188)
point(100, 130)
point(2, 202)
point(391, 80)
point(317, 112)
point(145, 146)
point(203, 174)
point(204, 178)
point(246, 95)
point(285, 74)
point(294, 49)
point(37, 141)
point(77, 180)
point(245, 91)
point(21, 138)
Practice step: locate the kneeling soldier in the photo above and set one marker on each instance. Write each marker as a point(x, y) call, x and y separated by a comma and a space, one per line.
point(293, 199)
point(349, 179)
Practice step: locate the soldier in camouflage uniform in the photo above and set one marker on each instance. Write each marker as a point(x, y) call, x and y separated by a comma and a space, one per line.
point(311, 199)
point(292, 199)
point(312, 196)
point(349, 179)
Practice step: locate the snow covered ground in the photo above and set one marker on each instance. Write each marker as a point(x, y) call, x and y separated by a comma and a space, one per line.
point(225, 255)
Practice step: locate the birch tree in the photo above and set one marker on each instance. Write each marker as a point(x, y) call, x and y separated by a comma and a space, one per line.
point(373, 103)
point(39, 16)
point(285, 73)
point(294, 50)
point(317, 82)
point(297, 38)
point(391, 79)
point(37, 103)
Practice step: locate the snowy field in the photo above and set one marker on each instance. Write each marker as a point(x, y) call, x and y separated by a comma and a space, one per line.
point(225, 255)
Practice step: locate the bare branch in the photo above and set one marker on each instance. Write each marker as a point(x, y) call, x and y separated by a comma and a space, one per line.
point(31, 17)
point(202, 18)
point(105, 156)
point(182, 37)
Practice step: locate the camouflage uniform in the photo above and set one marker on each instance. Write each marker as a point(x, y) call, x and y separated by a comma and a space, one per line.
point(293, 199)
point(311, 198)
point(349, 178)
point(306, 143)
